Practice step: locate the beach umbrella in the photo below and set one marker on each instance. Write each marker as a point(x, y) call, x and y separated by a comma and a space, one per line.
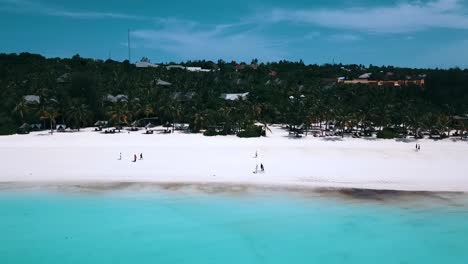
point(100, 123)
point(149, 125)
point(24, 126)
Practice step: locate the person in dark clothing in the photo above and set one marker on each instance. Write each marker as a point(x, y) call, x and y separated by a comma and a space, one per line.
point(141, 156)
point(261, 167)
point(134, 158)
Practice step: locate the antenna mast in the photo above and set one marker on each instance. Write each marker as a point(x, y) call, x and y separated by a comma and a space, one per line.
point(129, 57)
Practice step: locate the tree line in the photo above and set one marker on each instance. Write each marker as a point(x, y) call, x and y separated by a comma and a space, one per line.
point(73, 91)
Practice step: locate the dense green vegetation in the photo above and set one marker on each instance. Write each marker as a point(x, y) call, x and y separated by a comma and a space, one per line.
point(72, 90)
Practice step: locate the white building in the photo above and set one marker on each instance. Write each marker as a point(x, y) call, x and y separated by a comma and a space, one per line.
point(144, 64)
point(234, 96)
point(163, 83)
point(115, 99)
point(190, 69)
point(32, 99)
point(197, 69)
point(365, 75)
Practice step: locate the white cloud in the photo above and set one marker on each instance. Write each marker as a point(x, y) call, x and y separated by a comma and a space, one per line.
point(24, 6)
point(344, 37)
point(399, 18)
point(92, 15)
point(190, 40)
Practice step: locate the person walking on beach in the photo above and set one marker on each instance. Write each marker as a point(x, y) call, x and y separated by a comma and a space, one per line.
point(256, 169)
point(261, 167)
point(419, 147)
point(256, 154)
point(134, 158)
point(141, 156)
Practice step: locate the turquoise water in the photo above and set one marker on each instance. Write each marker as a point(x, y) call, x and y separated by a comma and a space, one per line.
point(185, 227)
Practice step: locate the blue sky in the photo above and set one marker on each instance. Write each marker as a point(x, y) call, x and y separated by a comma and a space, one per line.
point(416, 33)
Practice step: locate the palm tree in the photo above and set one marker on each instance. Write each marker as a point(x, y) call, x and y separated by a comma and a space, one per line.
point(21, 109)
point(79, 113)
point(119, 114)
point(442, 123)
point(148, 110)
point(224, 113)
point(49, 113)
point(198, 122)
point(174, 111)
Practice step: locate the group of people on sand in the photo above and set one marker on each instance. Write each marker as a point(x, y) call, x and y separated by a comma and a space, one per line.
point(418, 147)
point(134, 157)
point(262, 168)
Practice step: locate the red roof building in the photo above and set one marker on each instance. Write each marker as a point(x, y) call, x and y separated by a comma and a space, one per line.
point(240, 66)
point(397, 83)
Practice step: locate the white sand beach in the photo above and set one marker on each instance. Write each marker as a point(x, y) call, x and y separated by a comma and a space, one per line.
point(89, 156)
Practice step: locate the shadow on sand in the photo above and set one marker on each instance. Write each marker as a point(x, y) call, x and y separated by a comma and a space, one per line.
point(333, 139)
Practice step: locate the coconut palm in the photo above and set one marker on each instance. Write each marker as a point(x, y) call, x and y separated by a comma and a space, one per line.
point(147, 110)
point(78, 113)
point(49, 113)
point(21, 109)
point(198, 122)
point(118, 113)
point(173, 111)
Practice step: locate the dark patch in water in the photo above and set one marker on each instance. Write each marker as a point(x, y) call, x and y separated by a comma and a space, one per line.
point(453, 199)
point(456, 199)
point(380, 195)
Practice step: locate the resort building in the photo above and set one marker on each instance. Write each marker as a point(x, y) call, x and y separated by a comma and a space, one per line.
point(183, 97)
point(162, 83)
point(64, 78)
point(190, 69)
point(145, 64)
point(32, 99)
point(114, 99)
point(396, 83)
point(197, 69)
point(234, 96)
point(365, 75)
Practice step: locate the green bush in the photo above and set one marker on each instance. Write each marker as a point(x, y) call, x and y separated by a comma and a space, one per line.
point(7, 125)
point(216, 132)
point(7, 130)
point(249, 132)
point(386, 133)
point(210, 132)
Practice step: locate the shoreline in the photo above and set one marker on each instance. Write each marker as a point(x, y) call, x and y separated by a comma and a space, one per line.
point(419, 199)
point(222, 186)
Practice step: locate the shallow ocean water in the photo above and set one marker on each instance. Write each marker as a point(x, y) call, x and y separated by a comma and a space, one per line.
point(163, 226)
